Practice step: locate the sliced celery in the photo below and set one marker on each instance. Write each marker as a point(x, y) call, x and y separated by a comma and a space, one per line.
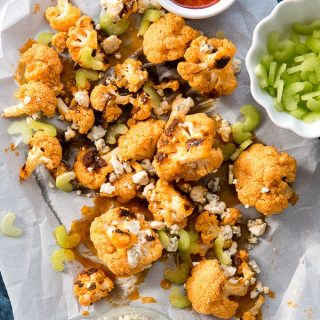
point(90, 62)
point(150, 15)
point(313, 104)
point(63, 181)
point(301, 47)
point(64, 240)
point(83, 75)
point(310, 95)
point(243, 146)
point(155, 98)
point(266, 61)
point(21, 127)
point(177, 299)
point(280, 72)
point(59, 257)
point(47, 128)
point(184, 240)
point(177, 275)
point(311, 117)
point(227, 150)
point(316, 33)
point(272, 72)
point(7, 226)
point(113, 28)
point(44, 38)
point(164, 238)
point(282, 50)
point(280, 91)
point(238, 134)
point(222, 256)
point(278, 105)
point(262, 75)
point(299, 113)
point(306, 28)
point(313, 44)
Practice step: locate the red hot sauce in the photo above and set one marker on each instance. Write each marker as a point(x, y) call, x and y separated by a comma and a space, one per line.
point(195, 3)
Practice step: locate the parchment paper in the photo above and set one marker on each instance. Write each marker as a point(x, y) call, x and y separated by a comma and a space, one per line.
point(287, 254)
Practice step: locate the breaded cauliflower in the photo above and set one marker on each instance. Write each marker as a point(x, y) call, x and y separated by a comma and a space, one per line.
point(81, 117)
point(130, 75)
point(254, 311)
point(82, 42)
point(262, 175)
point(92, 285)
point(167, 39)
point(208, 66)
point(172, 84)
point(124, 189)
point(110, 44)
point(91, 170)
point(185, 149)
point(59, 41)
point(205, 289)
point(40, 63)
point(124, 241)
point(63, 16)
point(231, 217)
point(168, 205)
point(43, 149)
point(141, 107)
point(140, 141)
point(208, 226)
point(35, 97)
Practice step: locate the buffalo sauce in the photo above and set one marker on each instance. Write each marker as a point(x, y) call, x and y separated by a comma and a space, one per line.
point(196, 3)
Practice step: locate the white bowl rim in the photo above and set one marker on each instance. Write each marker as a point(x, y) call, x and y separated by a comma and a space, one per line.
point(201, 13)
point(288, 121)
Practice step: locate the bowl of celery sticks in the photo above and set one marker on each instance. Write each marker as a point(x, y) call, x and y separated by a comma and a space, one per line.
point(284, 66)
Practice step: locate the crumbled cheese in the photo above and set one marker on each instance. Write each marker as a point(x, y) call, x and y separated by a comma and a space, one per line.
point(157, 225)
point(116, 165)
point(127, 167)
point(107, 188)
point(236, 231)
point(228, 271)
point(236, 64)
point(253, 280)
point(174, 229)
point(147, 166)
point(265, 190)
point(100, 144)
point(233, 280)
point(257, 227)
point(144, 5)
point(225, 130)
point(215, 206)
point(254, 266)
point(184, 106)
point(247, 206)
point(252, 239)
point(78, 192)
point(195, 263)
point(98, 27)
point(162, 109)
point(118, 55)
point(51, 185)
point(198, 194)
point(114, 8)
point(82, 98)
point(258, 289)
point(235, 181)
point(148, 188)
point(90, 169)
point(105, 150)
point(96, 133)
point(132, 226)
point(69, 134)
point(112, 177)
point(133, 255)
point(111, 44)
point(173, 245)
point(226, 232)
point(232, 250)
point(205, 47)
point(26, 100)
point(141, 178)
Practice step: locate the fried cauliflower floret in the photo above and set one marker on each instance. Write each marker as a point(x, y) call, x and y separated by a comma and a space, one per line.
point(172, 84)
point(111, 44)
point(43, 149)
point(40, 63)
point(208, 226)
point(168, 205)
point(167, 39)
point(262, 175)
point(205, 289)
point(140, 141)
point(35, 97)
point(130, 75)
point(119, 9)
point(82, 42)
point(92, 285)
point(141, 107)
point(91, 170)
point(63, 16)
point(185, 149)
point(208, 66)
point(59, 41)
point(124, 189)
point(124, 241)
point(254, 311)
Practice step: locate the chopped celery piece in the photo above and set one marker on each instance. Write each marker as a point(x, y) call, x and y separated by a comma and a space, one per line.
point(44, 38)
point(316, 33)
point(294, 69)
point(83, 75)
point(310, 95)
point(272, 72)
point(63, 181)
point(193, 235)
point(221, 255)
point(313, 104)
point(21, 127)
point(262, 75)
point(313, 78)
point(300, 46)
point(306, 28)
point(280, 91)
point(150, 15)
point(230, 174)
point(177, 299)
point(59, 257)
point(90, 62)
point(48, 129)
point(299, 112)
point(282, 50)
point(177, 275)
point(243, 146)
point(114, 131)
point(164, 239)
point(272, 91)
point(64, 240)
point(184, 240)
point(313, 44)
point(155, 98)
point(278, 105)
point(113, 28)
point(280, 71)
point(294, 88)
point(291, 78)
point(311, 117)
point(238, 134)
point(227, 150)
point(307, 87)
point(7, 226)
point(266, 61)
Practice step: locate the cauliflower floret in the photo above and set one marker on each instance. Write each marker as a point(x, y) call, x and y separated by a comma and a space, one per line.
point(165, 203)
point(208, 66)
point(124, 241)
point(82, 117)
point(40, 63)
point(110, 44)
point(205, 289)
point(185, 149)
point(43, 149)
point(230, 217)
point(91, 170)
point(140, 141)
point(92, 285)
point(59, 41)
point(82, 41)
point(262, 168)
point(208, 226)
point(141, 107)
point(130, 75)
point(63, 16)
point(167, 39)
point(35, 97)
point(172, 84)
point(254, 311)
point(119, 9)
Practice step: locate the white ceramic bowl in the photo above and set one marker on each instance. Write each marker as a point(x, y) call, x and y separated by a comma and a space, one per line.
point(200, 13)
point(281, 20)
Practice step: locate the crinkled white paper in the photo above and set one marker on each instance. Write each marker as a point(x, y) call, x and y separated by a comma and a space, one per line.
point(288, 254)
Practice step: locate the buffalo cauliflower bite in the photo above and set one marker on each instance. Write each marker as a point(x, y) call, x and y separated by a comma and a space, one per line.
point(168, 205)
point(43, 149)
point(254, 311)
point(35, 97)
point(40, 63)
point(185, 149)
point(91, 169)
point(63, 16)
point(140, 141)
point(206, 292)
point(110, 44)
point(130, 75)
point(262, 175)
point(141, 107)
point(167, 39)
point(59, 41)
point(92, 285)
point(208, 226)
point(208, 66)
point(119, 9)
point(124, 241)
